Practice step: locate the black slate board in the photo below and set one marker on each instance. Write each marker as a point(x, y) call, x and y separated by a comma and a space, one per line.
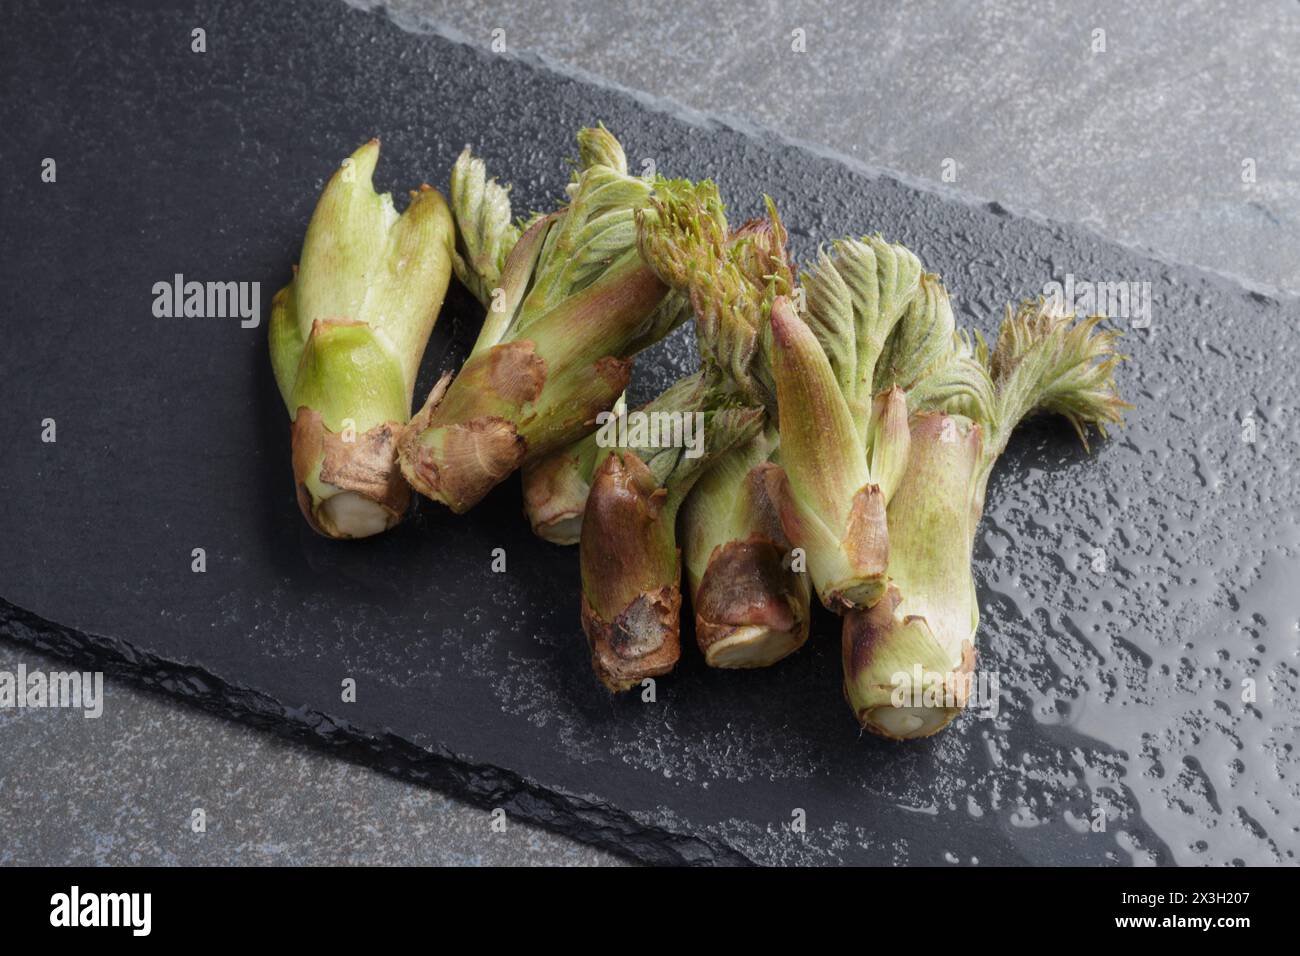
point(1118, 685)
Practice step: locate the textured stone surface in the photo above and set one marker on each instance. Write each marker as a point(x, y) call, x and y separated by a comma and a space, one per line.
point(121, 789)
point(1118, 683)
point(1144, 141)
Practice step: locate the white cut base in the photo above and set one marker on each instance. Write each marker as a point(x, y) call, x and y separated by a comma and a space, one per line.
point(562, 531)
point(353, 516)
point(752, 646)
point(908, 723)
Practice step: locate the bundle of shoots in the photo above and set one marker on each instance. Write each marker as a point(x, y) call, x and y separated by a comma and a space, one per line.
point(751, 606)
point(909, 660)
point(346, 339)
point(556, 486)
point(630, 561)
point(571, 304)
point(628, 554)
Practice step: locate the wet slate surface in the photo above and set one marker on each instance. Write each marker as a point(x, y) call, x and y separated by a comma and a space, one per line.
point(1119, 676)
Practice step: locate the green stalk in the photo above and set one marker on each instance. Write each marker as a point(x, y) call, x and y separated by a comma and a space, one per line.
point(751, 608)
point(843, 444)
point(928, 616)
point(346, 339)
point(576, 303)
point(909, 661)
point(630, 597)
point(830, 506)
point(556, 487)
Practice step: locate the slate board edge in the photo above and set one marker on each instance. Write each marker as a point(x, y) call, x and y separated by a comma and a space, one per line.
point(483, 785)
point(1261, 292)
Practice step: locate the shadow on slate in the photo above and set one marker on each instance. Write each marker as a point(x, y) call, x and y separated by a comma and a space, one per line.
point(170, 437)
